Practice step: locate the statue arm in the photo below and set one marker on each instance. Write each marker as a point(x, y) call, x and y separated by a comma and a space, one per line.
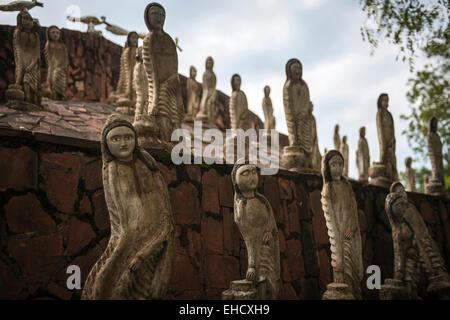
point(153, 85)
point(351, 219)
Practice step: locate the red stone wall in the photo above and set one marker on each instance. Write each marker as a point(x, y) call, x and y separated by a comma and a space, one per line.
point(53, 214)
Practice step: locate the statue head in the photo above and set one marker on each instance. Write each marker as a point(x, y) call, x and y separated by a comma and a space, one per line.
point(344, 139)
point(397, 187)
point(53, 33)
point(209, 63)
point(266, 91)
point(236, 82)
point(394, 207)
point(24, 21)
point(192, 72)
point(155, 16)
point(383, 101)
point(332, 166)
point(408, 162)
point(294, 69)
point(119, 139)
point(336, 128)
point(362, 132)
point(132, 40)
point(246, 178)
point(433, 125)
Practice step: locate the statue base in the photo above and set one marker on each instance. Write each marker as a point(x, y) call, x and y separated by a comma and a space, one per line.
point(293, 159)
point(394, 289)
point(148, 133)
point(338, 291)
point(378, 176)
point(238, 152)
point(435, 188)
point(439, 287)
point(240, 290)
point(16, 99)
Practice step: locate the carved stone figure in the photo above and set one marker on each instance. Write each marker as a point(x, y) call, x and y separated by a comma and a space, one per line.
point(297, 107)
point(165, 103)
point(90, 21)
point(254, 216)
point(239, 113)
point(345, 153)
point(410, 176)
point(341, 215)
point(114, 29)
point(430, 256)
point(316, 156)
point(20, 5)
point(437, 184)
point(207, 111)
point(140, 85)
point(58, 62)
point(125, 97)
point(27, 57)
point(336, 138)
point(363, 156)
point(193, 97)
point(270, 121)
point(137, 262)
point(383, 173)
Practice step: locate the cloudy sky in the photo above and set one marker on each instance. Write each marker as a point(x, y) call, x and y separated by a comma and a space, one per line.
point(256, 38)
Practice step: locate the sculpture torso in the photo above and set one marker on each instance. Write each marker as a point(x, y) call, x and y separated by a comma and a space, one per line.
point(363, 158)
point(163, 53)
point(239, 110)
point(435, 154)
point(269, 123)
point(58, 62)
point(296, 104)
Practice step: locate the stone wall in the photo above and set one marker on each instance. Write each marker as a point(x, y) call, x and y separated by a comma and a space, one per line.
point(53, 214)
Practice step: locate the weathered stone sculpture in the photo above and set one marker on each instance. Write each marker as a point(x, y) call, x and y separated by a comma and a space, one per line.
point(26, 92)
point(254, 216)
point(437, 184)
point(239, 113)
point(140, 85)
point(316, 156)
point(165, 104)
point(363, 156)
point(114, 29)
point(270, 121)
point(137, 262)
point(430, 257)
point(336, 138)
point(207, 111)
point(345, 153)
point(298, 155)
point(90, 21)
point(125, 97)
point(20, 5)
point(383, 173)
point(410, 176)
point(341, 215)
point(58, 62)
point(193, 96)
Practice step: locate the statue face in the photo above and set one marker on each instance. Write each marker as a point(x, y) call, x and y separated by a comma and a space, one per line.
point(237, 83)
point(408, 162)
point(247, 178)
point(385, 101)
point(193, 73)
point(156, 17)
point(267, 90)
point(336, 166)
point(121, 143)
point(209, 64)
point(433, 125)
point(397, 208)
point(133, 40)
point(27, 22)
point(296, 71)
point(54, 34)
point(362, 132)
point(336, 128)
point(344, 139)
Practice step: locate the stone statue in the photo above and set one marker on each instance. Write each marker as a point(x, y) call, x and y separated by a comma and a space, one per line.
point(140, 85)
point(363, 156)
point(193, 96)
point(114, 29)
point(430, 257)
point(410, 176)
point(437, 184)
point(297, 107)
point(383, 173)
point(254, 216)
point(137, 263)
point(270, 121)
point(58, 62)
point(239, 113)
point(91, 22)
point(341, 215)
point(165, 103)
point(316, 156)
point(345, 153)
point(336, 138)
point(20, 5)
point(207, 111)
point(27, 57)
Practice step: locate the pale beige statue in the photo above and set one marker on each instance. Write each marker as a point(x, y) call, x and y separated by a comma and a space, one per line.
point(25, 93)
point(344, 150)
point(114, 29)
point(90, 21)
point(58, 62)
point(430, 257)
point(207, 112)
point(254, 216)
point(336, 138)
point(298, 156)
point(410, 176)
point(436, 186)
point(140, 85)
point(137, 263)
point(20, 5)
point(193, 95)
point(239, 113)
point(269, 119)
point(363, 156)
point(383, 173)
point(165, 103)
point(341, 215)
